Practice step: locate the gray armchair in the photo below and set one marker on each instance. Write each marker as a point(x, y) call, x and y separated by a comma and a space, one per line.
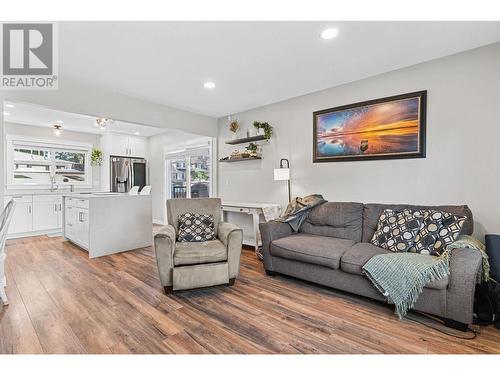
point(189, 265)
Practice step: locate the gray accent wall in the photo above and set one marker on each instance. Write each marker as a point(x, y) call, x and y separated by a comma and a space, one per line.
point(463, 143)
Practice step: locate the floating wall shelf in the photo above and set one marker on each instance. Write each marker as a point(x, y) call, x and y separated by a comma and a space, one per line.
point(246, 140)
point(241, 159)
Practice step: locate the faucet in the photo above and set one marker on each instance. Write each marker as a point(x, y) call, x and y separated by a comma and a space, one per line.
point(53, 183)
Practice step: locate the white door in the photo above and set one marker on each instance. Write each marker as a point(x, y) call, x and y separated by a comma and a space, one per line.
point(70, 222)
point(83, 227)
point(137, 147)
point(120, 145)
point(59, 212)
point(45, 215)
point(21, 219)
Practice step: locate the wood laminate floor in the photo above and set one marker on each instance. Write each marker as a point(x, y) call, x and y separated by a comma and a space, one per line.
point(62, 302)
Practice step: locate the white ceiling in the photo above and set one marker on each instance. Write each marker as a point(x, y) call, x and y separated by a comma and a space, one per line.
point(34, 115)
point(252, 63)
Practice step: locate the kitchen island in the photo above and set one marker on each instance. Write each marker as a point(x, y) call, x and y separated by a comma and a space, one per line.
point(107, 223)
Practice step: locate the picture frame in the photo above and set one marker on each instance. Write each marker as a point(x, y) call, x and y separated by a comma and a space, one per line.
point(393, 127)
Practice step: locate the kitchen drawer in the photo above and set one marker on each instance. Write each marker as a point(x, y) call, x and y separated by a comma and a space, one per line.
point(82, 203)
point(19, 198)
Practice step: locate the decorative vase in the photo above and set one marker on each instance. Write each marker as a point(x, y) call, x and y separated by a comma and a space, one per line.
point(260, 131)
point(234, 136)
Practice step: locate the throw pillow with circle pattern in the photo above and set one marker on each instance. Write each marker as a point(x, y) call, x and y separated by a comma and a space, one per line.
point(439, 229)
point(396, 231)
point(196, 227)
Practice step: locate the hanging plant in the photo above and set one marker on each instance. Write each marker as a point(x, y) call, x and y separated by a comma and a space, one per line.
point(96, 157)
point(268, 129)
point(234, 126)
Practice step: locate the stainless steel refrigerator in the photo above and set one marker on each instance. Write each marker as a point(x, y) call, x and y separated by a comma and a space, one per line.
point(128, 172)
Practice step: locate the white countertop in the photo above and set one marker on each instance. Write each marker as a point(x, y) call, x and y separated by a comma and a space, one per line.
point(44, 192)
point(101, 195)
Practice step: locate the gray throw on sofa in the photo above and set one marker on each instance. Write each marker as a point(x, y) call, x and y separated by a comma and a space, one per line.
point(333, 244)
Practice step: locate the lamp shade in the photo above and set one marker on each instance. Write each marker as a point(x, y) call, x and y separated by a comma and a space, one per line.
point(282, 174)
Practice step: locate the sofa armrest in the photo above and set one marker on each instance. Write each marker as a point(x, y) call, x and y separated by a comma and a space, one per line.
point(232, 237)
point(164, 243)
point(464, 267)
point(270, 231)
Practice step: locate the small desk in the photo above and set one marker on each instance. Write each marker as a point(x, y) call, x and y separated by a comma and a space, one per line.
point(250, 208)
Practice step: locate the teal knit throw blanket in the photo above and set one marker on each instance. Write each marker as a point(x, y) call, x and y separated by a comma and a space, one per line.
point(401, 277)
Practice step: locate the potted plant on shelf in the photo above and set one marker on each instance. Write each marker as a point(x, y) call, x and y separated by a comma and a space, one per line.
point(253, 150)
point(96, 157)
point(233, 127)
point(263, 128)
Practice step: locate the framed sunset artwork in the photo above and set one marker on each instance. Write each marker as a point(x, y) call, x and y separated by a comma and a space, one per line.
point(387, 128)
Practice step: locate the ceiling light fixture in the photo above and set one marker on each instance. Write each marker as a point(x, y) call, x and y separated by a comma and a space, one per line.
point(9, 105)
point(6, 114)
point(57, 130)
point(329, 33)
point(102, 122)
point(59, 121)
point(137, 133)
point(209, 85)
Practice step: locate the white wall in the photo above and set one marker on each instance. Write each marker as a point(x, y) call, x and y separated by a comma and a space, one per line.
point(463, 136)
point(85, 100)
point(157, 176)
point(39, 132)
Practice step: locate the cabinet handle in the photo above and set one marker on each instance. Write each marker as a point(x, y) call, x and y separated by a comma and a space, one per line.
point(29, 209)
point(55, 207)
point(60, 206)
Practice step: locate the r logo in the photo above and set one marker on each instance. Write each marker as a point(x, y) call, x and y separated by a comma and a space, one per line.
point(27, 49)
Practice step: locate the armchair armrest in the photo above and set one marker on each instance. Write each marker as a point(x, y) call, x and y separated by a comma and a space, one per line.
point(464, 267)
point(270, 231)
point(232, 237)
point(164, 244)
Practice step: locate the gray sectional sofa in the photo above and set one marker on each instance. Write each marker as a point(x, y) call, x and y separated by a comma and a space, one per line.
point(333, 244)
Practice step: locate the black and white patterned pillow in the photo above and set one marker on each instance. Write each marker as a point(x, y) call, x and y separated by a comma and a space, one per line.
point(396, 231)
point(439, 229)
point(196, 227)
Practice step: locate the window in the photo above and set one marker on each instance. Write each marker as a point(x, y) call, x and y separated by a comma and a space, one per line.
point(37, 163)
point(188, 174)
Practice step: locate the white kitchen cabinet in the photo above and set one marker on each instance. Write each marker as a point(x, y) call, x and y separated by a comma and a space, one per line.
point(46, 212)
point(76, 226)
point(119, 145)
point(137, 146)
point(125, 145)
point(22, 218)
point(35, 215)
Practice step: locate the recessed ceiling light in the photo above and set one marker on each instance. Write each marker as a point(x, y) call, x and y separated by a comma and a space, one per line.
point(6, 114)
point(329, 33)
point(209, 85)
point(9, 105)
point(137, 133)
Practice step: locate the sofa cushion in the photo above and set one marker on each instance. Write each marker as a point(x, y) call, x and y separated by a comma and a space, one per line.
point(355, 258)
point(439, 229)
point(335, 219)
point(396, 231)
point(188, 253)
point(372, 212)
point(308, 248)
point(357, 255)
